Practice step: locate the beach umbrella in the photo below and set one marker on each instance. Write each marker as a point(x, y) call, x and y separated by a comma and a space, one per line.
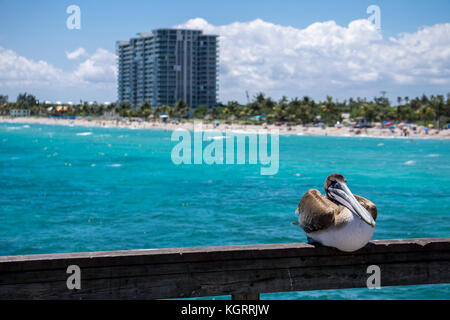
point(320, 123)
point(163, 116)
point(175, 119)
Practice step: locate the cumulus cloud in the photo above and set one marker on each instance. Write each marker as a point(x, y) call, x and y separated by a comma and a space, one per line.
point(325, 57)
point(98, 70)
point(76, 54)
point(16, 70)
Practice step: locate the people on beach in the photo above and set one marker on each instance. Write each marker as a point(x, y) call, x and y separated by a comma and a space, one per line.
point(406, 130)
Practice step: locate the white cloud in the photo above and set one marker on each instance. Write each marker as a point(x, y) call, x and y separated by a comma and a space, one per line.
point(97, 71)
point(16, 70)
point(76, 54)
point(100, 67)
point(325, 58)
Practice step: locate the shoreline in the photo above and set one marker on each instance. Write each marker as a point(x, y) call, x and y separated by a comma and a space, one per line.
point(298, 130)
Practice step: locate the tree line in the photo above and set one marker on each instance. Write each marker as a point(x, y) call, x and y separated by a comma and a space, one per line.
point(424, 109)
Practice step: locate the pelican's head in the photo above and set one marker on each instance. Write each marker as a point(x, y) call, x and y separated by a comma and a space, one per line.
point(336, 189)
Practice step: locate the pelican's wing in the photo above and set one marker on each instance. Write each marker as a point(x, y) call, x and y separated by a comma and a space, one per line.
point(368, 205)
point(316, 212)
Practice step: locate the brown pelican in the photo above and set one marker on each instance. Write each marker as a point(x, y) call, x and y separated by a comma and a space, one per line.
point(339, 219)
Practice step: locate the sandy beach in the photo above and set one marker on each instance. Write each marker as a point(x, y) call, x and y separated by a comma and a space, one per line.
point(419, 133)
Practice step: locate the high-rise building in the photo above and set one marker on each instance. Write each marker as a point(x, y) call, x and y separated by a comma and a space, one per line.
point(167, 65)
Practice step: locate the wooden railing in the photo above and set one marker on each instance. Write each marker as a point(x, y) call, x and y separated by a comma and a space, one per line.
point(241, 271)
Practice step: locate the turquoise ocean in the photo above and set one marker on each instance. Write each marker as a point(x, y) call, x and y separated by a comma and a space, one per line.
point(73, 189)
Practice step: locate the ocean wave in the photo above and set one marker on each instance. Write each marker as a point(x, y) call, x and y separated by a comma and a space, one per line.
point(409, 162)
point(84, 133)
point(115, 165)
point(216, 138)
point(432, 155)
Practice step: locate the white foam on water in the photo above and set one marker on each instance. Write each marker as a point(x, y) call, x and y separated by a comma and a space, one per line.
point(432, 155)
point(409, 162)
point(84, 133)
point(380, 144)
point(216, 138)
point(116, 165)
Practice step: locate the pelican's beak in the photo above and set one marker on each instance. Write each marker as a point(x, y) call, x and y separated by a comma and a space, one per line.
point(342, 194)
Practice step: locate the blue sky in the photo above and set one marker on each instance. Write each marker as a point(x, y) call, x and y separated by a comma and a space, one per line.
point(36, 31)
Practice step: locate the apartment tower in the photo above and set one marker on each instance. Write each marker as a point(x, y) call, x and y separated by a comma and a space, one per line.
point(167, 65)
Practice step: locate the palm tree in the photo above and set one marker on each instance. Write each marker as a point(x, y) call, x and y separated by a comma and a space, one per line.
point(164, 109)
point(406, 99)
point(426, 113)
point(26, 100)
point(200, 112)
point(181, 109)
point(329, 112)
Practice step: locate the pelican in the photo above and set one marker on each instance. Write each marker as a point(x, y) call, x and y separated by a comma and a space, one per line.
point(339, 219)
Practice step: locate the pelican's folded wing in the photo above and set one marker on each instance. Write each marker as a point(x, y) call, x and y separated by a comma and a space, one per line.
point(316, 212)
point(368, 205)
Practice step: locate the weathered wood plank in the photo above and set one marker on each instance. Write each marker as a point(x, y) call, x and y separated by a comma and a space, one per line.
point(211, 266)
point(209, 271)
point(127, 257)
